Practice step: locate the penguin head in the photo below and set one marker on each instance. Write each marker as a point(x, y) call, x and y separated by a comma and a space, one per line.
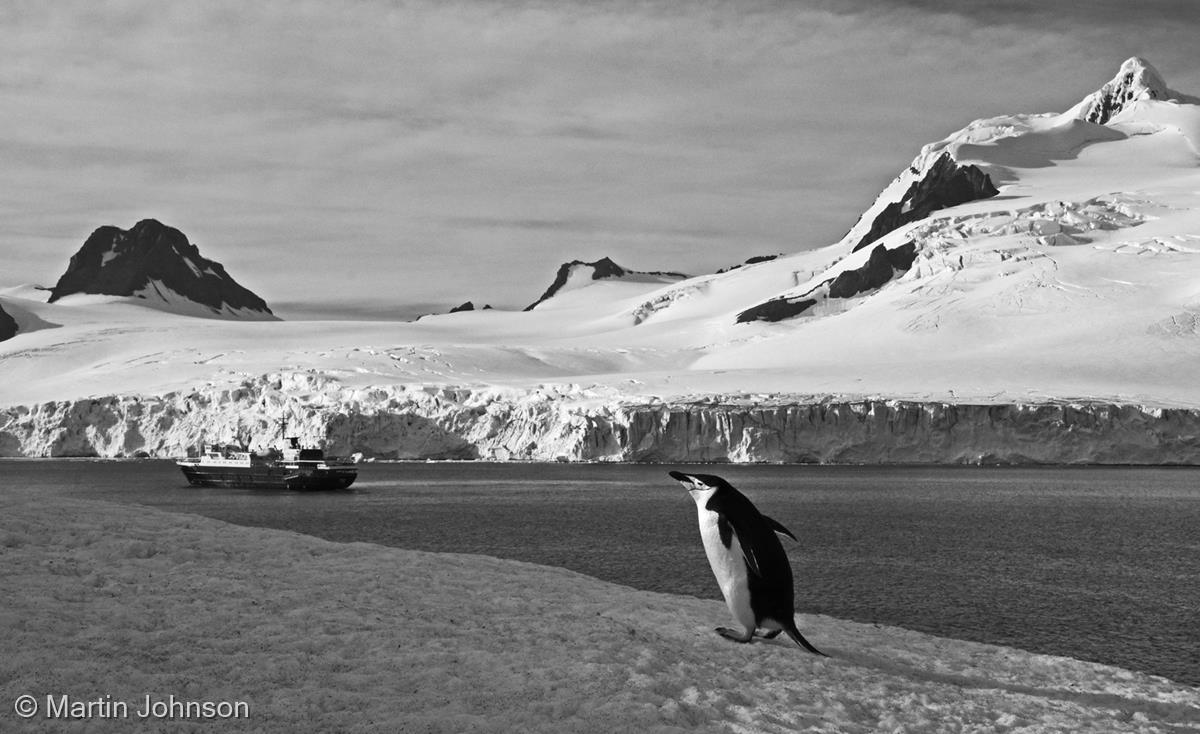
point(701, 486)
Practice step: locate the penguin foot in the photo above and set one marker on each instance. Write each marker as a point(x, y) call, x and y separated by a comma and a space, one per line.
point(771, 635)
point(735, 636)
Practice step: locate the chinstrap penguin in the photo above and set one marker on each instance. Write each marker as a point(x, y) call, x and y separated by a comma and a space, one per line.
point(747, 559)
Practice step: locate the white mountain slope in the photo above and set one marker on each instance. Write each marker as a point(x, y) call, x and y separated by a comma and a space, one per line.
point(1057, 318)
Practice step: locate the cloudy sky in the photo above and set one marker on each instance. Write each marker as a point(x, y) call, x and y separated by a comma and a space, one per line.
point(383, 157)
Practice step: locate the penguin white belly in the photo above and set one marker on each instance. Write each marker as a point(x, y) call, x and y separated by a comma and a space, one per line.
point(729, 566)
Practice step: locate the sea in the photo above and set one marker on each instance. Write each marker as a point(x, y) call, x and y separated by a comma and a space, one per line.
point(1093, 563)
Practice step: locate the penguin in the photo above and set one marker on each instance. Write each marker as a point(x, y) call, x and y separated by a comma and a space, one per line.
point(747, 559)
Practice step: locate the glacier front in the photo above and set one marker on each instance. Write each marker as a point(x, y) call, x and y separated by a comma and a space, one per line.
point(588, 424)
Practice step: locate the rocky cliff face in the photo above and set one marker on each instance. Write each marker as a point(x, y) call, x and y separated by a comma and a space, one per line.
point(573, 423)
point(155, 262)
point(8, 326)
point(944, 183)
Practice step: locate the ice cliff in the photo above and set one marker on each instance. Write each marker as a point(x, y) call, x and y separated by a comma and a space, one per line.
point(569, 422)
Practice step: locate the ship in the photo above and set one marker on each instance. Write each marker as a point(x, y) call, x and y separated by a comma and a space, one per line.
point(296, 468)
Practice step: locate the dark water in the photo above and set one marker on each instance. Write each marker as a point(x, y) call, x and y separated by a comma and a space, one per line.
point(1094, 563)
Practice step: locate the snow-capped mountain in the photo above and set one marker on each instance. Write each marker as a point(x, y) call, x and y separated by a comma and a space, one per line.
point(157, 264)
point(1135, 108)
point(1136, 80)
point(617, 282)
point(1027, 290)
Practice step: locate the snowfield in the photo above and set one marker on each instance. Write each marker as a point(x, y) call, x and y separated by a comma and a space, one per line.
point(321, 636)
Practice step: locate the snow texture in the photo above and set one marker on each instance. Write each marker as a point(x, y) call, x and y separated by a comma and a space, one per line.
point(321, 636)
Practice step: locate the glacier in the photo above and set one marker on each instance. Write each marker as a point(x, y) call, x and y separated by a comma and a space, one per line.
point(577, 423)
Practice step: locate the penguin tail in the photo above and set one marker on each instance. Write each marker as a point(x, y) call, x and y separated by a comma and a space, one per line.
point(798, 638)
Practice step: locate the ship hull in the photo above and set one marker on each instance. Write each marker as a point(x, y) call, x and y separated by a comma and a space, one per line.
point(299, 478)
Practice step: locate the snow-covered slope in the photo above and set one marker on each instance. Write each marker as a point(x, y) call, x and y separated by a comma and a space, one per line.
point(157, 265)
point(1055, 318)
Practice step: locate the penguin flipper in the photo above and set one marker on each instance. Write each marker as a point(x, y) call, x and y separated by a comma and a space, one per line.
point(779, 528)
point(728, 533)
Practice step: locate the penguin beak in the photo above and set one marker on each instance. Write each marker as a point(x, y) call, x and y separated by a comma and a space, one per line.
point(687, 480)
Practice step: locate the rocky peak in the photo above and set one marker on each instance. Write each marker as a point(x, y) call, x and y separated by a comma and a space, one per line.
point(469, 306)
point(600, 270)
point(157, 263)
point(1136, 80)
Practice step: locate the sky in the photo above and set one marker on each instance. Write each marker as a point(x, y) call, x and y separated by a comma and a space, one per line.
point(381, 158)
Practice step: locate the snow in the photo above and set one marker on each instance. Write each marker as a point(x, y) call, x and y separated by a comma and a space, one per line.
point(1078, 284)
point(321, 636)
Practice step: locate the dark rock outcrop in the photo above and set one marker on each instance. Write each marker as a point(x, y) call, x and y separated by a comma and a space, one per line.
point(878, 270)
point(750, 261)
point(8, 326)
point(881, 267)
point(468, 306)
point(147, 258)
point(601, 269)
point(776, 309)
point(944, 184)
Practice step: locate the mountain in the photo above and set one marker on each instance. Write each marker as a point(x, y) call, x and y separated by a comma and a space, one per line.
point(577, 274)
point(1132, 132)
point(156, 263)
point(1027, 290)
point(1136, 80)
